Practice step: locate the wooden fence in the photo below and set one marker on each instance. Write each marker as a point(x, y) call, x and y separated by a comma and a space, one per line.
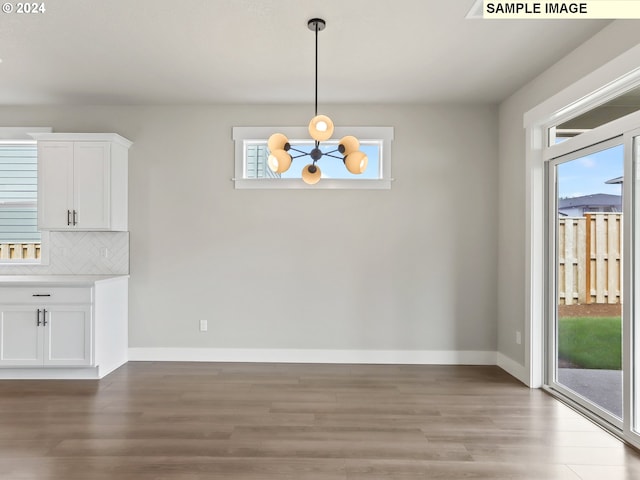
point(590, 267)
point(25, 251)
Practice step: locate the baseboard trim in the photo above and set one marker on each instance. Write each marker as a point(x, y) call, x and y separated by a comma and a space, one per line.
point(104, 370)
point(90, 373)
point(417, 357)
point(512, 367)
point(399, 357)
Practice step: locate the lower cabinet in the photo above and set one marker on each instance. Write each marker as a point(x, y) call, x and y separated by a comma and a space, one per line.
point(45, 335)
point(63, 327)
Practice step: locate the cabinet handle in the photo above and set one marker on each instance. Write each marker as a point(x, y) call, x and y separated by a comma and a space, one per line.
point(68, 218)
point(44, 317)
point(75, 216)
point(41, 295)
point(38, 322)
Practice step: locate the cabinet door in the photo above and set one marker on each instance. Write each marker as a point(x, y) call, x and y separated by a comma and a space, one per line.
point(55, 185)
point(68, 335)
point(21, 339)
point(91, 184)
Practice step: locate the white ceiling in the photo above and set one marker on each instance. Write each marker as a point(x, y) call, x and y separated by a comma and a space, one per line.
point(260, 51)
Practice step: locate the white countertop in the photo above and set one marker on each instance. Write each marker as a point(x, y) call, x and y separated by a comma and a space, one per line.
point(55, 280)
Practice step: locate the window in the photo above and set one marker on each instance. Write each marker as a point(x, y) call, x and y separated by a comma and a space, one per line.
point(19, 235)
point(20, 241)
point(256, 154)
point(252, 171)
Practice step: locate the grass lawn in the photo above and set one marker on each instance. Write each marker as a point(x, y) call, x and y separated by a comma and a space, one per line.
point(591, 342)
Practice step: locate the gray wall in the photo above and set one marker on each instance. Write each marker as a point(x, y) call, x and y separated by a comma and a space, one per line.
point(610, 42)
point(412, 268)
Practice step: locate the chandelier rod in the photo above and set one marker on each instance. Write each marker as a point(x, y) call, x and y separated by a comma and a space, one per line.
point(316, 29)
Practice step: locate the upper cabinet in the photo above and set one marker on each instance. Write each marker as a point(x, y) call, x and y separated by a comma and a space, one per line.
point(82, 181)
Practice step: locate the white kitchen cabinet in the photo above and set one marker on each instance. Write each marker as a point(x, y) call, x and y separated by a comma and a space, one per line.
point(21, 337)
point(67, 335)
point(45, 327)
point(56, 335)
point(82, 181)
point(63, 327)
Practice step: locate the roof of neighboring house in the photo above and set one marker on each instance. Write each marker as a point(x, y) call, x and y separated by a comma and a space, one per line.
point(594, 200)
point(614, 181)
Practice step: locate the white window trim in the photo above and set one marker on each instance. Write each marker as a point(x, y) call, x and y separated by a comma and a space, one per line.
point(605, 83)
point(20, 135)
point(260, 134)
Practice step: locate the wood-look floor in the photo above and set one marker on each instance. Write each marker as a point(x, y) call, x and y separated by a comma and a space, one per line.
point(189, 421)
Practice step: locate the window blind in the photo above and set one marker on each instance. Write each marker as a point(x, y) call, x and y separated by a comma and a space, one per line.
point(256, 165)
point(19, 193)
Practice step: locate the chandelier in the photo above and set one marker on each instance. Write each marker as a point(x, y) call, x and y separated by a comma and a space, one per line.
point(320, 129)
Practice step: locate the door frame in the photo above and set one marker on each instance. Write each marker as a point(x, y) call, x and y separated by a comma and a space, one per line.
point(608, 81)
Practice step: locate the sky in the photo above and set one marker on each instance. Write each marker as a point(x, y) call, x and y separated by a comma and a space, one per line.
point(586, 175)
point(334, 167)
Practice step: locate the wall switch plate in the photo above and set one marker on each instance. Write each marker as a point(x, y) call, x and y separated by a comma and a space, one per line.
point(518, 338)
point(203, 325)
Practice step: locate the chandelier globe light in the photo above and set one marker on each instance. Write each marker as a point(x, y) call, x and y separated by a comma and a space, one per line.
point(321, 129)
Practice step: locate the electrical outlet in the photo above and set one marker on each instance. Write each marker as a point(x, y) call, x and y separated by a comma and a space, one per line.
point(518, 338)
point(204, 325)
point(104, 251)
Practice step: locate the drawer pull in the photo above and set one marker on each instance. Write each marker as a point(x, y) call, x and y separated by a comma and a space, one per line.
point(38, 322)
point(41, 295)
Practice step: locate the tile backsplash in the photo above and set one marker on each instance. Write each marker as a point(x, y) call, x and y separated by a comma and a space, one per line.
point(80, 253)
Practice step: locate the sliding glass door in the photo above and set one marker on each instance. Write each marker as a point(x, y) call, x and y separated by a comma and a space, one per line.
point(631, 395)
point(593, 277)
point(586, 221)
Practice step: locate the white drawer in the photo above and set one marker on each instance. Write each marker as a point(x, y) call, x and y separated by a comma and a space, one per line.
point(45, 295)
